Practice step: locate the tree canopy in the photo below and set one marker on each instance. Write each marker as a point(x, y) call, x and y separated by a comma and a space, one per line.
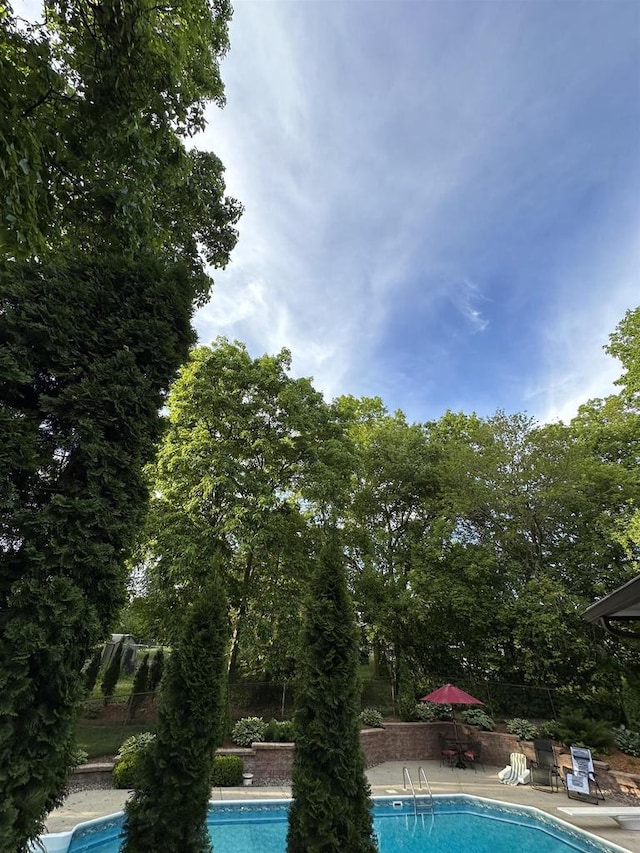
point(109, 230)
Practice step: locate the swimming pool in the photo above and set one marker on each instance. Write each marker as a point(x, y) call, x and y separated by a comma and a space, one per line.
point(456, 823)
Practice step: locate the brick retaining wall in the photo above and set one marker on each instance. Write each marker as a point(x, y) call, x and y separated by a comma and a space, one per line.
point(271, 763)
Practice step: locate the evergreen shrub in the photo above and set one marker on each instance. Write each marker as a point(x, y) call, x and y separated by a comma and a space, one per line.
point(170, 813)
point(156, 668)
point(279, 732)
point(576, 729)
point(331, 808)
point(92, 670)
point(226, 771)
point(139, 688)
point(112, 673)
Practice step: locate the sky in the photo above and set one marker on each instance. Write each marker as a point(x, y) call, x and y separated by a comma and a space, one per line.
point(442, 199)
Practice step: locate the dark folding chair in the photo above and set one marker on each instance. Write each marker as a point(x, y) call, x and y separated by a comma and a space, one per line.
point(448, 752)
point(471, 756)
point(545, 772)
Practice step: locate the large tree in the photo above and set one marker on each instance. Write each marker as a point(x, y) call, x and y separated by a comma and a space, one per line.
point(331, 809)
point(105, 214)
point(248, 455)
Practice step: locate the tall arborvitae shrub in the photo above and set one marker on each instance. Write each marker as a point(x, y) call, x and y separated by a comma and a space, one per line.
point(92, 670)
point(139, 689)
point(169, 812)
point(112, 672)
point(87, 351)
point(331, 809)
point(156, 669)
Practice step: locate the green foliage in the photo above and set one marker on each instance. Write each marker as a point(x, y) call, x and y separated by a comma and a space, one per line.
point(128, 769)
point(112, 672)
point(331, 808)
point(103, 215)
point(226, 771)
point(100, 739)
point(92, 669)
point(478, 717)
point(631, 701)
point(249, 730)
point(139, 688)
point(155, 671)
point(169, 813)
point(276, 452)
point(627, 740)
point(427, 712)
point(95, 105)
point(548, 729)
point(525, 729)
point(371, 717)
point(407, 708)
point(576, 729)
point(279, 732)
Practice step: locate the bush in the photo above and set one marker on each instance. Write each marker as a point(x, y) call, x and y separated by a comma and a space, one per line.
point(226, 771)
point(477, 717)
point(548, 729)
point(442, 712)
point(371, 717)
point(525, 729)
point(407, 709)
point(627, 741)
point(576, 729)
point(128, 769)
point(279, 732)
point(425, 712)
point(249, 730)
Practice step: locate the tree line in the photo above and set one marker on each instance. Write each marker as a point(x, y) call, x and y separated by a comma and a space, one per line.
point(473, 545)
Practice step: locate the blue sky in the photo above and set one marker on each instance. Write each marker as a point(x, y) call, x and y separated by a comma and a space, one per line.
point(442, 198)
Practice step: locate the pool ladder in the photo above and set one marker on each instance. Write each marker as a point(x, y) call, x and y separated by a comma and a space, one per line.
point(408, 782)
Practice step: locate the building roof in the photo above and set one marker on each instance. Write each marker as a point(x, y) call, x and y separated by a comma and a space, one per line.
point(620, 606)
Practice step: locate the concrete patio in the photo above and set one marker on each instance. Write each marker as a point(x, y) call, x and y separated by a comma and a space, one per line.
point(385, 780)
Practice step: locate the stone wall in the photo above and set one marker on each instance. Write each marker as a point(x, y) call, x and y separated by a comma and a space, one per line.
point(271, 763)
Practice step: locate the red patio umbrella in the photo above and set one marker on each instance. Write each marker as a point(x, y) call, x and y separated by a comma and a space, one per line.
point(449, 694)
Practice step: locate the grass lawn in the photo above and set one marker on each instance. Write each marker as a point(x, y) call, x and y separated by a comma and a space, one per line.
point(100, 739)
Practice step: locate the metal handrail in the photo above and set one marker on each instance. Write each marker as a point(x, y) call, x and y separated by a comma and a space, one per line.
point(406, 777)
point(422, 775)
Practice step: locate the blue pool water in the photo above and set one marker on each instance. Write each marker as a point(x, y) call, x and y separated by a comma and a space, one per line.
point(457, 823)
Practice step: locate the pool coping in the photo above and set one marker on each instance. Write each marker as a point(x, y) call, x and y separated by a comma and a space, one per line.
point(59, 842)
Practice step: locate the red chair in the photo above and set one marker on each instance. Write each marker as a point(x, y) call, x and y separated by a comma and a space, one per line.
point(448, 753)
point(472, 756)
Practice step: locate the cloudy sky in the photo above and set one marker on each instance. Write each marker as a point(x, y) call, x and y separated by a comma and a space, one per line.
point(442, 198)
